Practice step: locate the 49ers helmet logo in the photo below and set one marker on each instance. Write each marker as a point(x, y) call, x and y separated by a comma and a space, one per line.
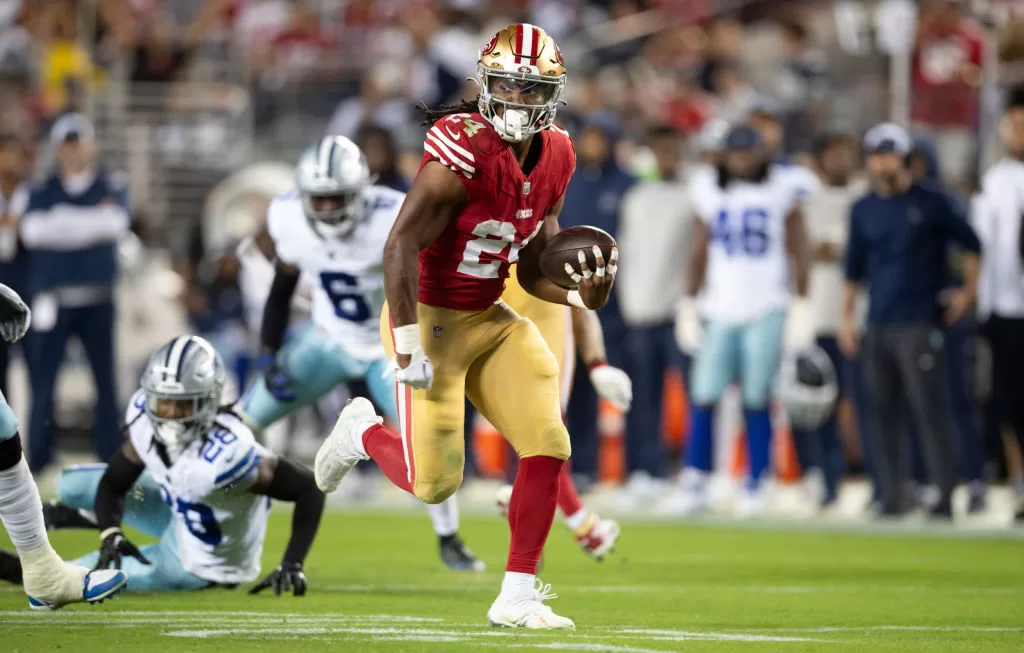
point(489, 48)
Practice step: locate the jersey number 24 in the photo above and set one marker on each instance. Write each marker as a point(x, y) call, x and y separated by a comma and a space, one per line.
point(492, 238)
point(748, 238)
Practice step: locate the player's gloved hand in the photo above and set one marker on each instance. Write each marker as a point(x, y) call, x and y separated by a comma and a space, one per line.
point(612, 384)
point(593, 286)
point(689, 331)
point(418, 374)
point(115, 546)
point(800, 326)
point(15, 316)
point(288, 576)
point(278, 381)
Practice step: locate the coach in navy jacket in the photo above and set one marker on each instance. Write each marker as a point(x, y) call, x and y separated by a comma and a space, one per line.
point(71, 228)
point(900, 235)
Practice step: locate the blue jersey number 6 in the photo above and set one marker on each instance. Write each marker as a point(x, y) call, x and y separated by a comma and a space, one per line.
point(348, 304)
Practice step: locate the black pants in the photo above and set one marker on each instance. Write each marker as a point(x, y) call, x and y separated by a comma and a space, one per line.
point(1006, 335)
point(904, 365)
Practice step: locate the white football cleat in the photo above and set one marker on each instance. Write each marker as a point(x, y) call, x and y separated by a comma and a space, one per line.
point(751, 502)
point(690, 497)
point(528, 612)
point(52, 583)
point(597, 536)
point(343, 448)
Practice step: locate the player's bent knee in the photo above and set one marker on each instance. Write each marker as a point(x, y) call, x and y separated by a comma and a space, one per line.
point(77, 485)
point(552, 441)
point(437, 490)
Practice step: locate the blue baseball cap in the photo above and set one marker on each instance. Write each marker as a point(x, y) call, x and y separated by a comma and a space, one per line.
point(887, 138)
point(742, 138)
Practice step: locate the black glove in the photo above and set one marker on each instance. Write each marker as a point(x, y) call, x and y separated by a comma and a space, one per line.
point(279, 382)
point(15, 316)
point(115, 545)
point(287, 576)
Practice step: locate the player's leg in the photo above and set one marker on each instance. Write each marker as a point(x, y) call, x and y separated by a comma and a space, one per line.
point(713, 369)
point(532, 423)
point(444, 516)
point(760, 352)
point(307, 368)
point(144, 507)
point(426, 457)
point(49, 581)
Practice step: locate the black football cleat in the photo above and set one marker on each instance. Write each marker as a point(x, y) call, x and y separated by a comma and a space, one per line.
point(456, 555)
point(57, 516)
point(10, 567)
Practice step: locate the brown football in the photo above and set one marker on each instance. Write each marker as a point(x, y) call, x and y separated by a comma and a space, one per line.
point(563, 248)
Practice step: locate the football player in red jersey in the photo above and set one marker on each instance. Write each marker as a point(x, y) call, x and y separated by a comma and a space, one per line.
point(488, 194)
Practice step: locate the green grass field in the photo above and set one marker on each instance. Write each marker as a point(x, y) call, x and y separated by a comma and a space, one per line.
point(376, 585)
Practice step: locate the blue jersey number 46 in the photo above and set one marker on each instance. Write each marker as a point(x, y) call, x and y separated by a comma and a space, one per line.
point(748, 238)
point(348, 303)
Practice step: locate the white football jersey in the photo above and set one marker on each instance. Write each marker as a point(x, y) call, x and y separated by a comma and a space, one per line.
point(748, 269)
point(346, 274)
point(220, 525)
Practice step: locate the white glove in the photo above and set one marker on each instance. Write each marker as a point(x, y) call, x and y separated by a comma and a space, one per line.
point(15, 316)
point(689, 330)
point(419, 375)
point(800, 326)
point(612, 384)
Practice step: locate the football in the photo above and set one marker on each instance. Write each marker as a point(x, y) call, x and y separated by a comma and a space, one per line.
point(563, 249)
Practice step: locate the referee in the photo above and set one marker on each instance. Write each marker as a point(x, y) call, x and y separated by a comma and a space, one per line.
point(997, 215)
point(898, 247)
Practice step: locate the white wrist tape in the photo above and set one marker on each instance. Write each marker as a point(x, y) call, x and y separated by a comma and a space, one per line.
point(109, 531)
point(407, 338)
point(575, 299)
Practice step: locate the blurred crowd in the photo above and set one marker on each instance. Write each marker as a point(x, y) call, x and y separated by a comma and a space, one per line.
point(183, 94)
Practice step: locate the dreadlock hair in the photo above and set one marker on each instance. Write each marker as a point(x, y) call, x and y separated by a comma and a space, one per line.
point(430, 116)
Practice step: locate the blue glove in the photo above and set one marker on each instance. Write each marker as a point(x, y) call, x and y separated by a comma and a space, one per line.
point(278, 381)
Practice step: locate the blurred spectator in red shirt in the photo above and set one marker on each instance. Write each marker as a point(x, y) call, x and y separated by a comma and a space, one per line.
point(946, 77)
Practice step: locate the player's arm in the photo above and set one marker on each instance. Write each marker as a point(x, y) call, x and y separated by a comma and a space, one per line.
point(689, 332)
point(122, 471)
point(799, 249)
point(593, 287)
point(435, 197)
point(278, 309)
point(611, 383)
point(800, 326)
point(281, 479)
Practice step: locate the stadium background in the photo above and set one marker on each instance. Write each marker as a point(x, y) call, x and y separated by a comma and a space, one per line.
point(205, 105)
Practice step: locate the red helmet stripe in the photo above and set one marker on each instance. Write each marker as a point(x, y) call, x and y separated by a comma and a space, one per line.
point(535, 50)
point(519, 43)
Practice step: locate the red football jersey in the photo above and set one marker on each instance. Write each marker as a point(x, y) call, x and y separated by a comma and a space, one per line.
point(466, 267)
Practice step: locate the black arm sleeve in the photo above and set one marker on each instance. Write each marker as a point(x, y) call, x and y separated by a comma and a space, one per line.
point(277, 310)
point(295, 483)
point(116, 481)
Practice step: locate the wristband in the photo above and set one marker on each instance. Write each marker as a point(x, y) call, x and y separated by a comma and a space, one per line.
point(407, 338)
point(574, 299)
point(596, 364)
point(113, 530)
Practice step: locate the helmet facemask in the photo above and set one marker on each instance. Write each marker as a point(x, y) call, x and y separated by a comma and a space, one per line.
point(334, 214)
point(178, 420)
point(517, 121)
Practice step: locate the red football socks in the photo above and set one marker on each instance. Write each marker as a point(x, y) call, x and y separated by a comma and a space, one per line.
point(569, 501)
point(385, 447)
point(531, 511)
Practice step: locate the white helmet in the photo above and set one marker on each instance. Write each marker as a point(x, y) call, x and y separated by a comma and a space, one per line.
point(523, 58)
point(808, 388)
point(333, 168)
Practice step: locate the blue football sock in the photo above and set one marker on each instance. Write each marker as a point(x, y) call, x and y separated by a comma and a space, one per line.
point(698, 454)
point(759, 439)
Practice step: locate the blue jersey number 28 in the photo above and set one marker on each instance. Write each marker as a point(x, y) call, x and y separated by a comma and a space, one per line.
point(199, 518)
point(341, 290)
point(751, 237)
